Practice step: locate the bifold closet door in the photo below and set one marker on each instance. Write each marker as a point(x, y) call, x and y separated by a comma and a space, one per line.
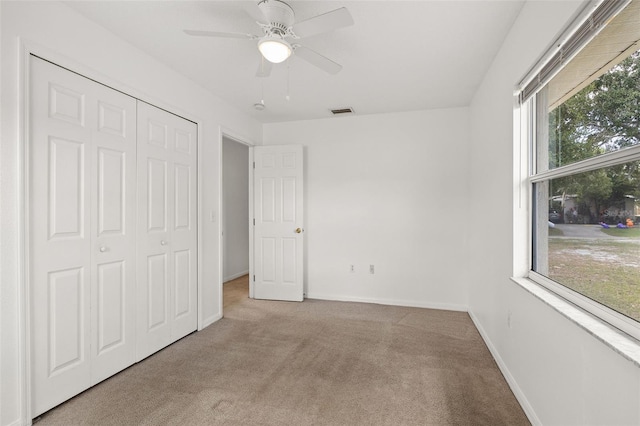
point(82, 201)
point(167, 229)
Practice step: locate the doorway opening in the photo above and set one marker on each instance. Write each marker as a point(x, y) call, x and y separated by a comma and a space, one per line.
point(235, 220)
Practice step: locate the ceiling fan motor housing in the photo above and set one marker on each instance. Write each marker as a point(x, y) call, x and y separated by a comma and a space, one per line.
point(278, 14)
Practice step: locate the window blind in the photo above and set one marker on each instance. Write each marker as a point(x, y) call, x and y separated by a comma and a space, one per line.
point(560, 55)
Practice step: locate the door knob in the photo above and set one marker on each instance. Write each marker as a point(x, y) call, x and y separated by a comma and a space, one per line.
point(103, 249)
point(299, 230)
point(163, 243)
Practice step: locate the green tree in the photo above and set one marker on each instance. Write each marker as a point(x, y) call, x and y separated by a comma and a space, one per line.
point(594, 190)
point(604, 116)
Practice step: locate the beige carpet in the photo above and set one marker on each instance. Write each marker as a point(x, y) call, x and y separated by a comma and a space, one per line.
point(316, 362)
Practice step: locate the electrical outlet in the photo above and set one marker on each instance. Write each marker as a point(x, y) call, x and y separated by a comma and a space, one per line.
point(372, 269)
point(352, 269)
point(509, 313)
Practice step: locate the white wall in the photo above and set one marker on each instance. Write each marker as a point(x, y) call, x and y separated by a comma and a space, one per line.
point(235, 201)
point(57, 32)
point(561, 374)
point(425, 196)
point(388, 190)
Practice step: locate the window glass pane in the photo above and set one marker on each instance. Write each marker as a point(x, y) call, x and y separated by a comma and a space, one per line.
point(591, 241)
point(602, 117)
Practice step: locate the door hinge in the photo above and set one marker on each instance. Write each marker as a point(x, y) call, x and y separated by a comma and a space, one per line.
point(254, 221)
point(254, 164)
point(254, 278)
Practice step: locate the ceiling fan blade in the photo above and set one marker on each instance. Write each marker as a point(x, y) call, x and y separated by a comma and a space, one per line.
point(329, 21)
point(219, 34)
point(264, 68)
point(314, 58)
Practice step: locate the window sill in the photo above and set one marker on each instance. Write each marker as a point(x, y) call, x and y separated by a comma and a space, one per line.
point(621, 343)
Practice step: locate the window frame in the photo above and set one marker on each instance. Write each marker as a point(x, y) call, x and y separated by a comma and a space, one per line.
point(528, 110)
point(625, 155)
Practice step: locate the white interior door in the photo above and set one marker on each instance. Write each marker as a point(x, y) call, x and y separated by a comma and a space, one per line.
point(278, 230)
point(167, 223)
point(113, 215)
point(82, 232)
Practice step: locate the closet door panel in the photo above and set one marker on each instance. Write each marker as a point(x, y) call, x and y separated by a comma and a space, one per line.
point(167, 190)
point(81, 233)
point(59, 234)
point(184, 228)
point(113, 207)
point(154, 217)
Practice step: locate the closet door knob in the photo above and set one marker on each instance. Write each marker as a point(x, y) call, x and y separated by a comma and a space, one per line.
point(103, 249)
point(163, 243)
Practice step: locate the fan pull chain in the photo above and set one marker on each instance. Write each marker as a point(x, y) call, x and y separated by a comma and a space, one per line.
point(287, 97)
point(259, 106)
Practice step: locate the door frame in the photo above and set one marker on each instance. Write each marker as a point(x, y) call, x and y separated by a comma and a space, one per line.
point(26, 50)
point(233, 136)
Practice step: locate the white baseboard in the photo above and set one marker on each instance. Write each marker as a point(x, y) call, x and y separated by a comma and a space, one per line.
point(393, 302)
point(520, 396)
point(234, 276)
point(208, 321)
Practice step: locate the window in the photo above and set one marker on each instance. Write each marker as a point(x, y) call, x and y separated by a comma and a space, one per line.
point(584, 131)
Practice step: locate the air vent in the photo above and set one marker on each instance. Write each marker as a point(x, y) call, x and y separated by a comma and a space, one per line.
point(342, 111)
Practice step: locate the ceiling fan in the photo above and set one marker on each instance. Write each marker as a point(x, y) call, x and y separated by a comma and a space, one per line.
point(280, 25)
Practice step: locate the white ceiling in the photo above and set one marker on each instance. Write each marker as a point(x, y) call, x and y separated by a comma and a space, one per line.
point(399, 55)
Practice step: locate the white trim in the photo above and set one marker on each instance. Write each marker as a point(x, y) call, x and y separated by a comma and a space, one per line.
point(621, 156)
point(234, 276)
point(213, 318)
point(252, 270)
point(521, 191)
point(511, 381)
point(26, 49)
point(24, 296)
point(619, 342)
point(199, 220)
point(603, 314)
point(19, 245)
point(235, 136)
point(391, 302)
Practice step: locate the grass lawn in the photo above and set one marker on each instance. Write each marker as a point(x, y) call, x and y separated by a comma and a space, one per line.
point(605, 270)
point(623, 232)
point(555, 232)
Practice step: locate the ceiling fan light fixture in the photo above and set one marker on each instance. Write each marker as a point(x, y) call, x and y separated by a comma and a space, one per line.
point(274, 49)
